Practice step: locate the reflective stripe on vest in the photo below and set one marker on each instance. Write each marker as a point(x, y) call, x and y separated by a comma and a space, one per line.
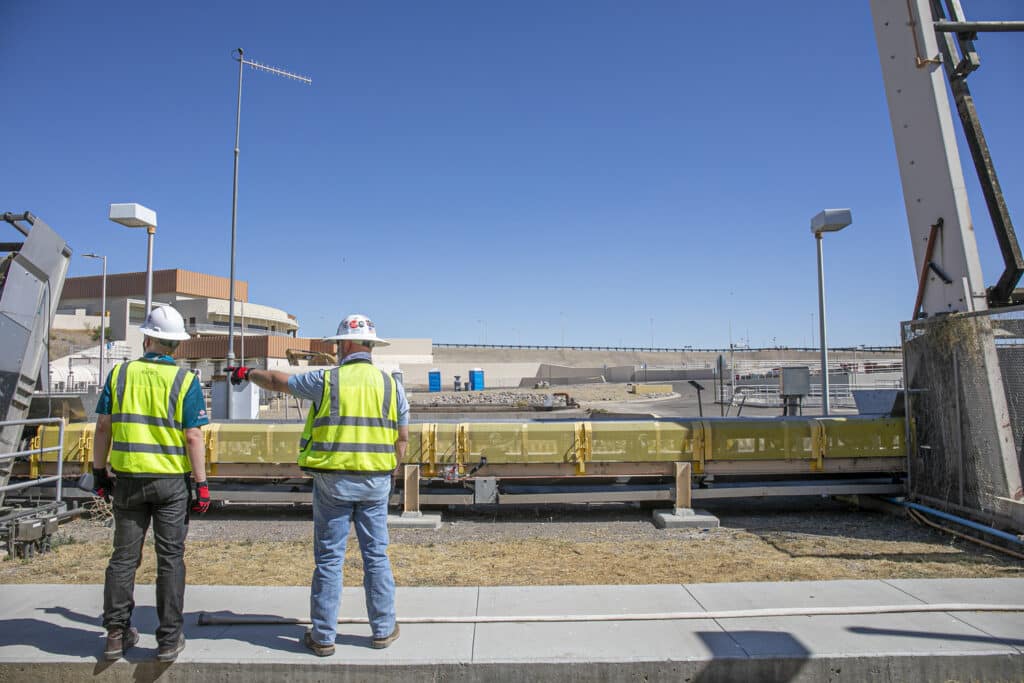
point(146, 417)
point(355, 426)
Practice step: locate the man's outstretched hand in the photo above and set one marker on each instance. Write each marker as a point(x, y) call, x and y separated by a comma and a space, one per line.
point(238, 375)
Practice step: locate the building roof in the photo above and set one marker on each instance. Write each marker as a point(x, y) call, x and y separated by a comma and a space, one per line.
point(256, 346)
point(175, 281)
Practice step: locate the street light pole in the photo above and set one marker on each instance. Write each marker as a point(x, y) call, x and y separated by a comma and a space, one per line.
point(138, 216)
point(239, 56)
point(234, 223)
point(150, 232)
point(103, 314)
point(829, 220)
point(821, 329)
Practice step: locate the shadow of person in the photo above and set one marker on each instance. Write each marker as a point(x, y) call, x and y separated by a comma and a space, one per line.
point(144, 618)
point(49, 637)
point(740, 655)
point(269, 631)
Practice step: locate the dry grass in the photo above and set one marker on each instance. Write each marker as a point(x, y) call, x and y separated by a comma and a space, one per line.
point(721, 555)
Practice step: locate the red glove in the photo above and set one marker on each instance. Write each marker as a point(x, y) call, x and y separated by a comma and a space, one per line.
point(238, 375)
point(102, 483)
point(202, 503)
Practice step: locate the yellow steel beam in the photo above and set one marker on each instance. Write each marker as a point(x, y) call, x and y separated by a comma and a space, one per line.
point(805, 442)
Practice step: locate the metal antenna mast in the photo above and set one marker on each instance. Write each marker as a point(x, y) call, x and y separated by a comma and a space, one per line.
point(239, 56)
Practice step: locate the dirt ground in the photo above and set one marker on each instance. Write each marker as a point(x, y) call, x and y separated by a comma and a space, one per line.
point(787, 540)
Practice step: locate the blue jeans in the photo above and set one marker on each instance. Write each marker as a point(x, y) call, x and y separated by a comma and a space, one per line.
point(338, 501)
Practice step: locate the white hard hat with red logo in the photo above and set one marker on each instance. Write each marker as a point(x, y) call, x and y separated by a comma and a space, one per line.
point(357, 328)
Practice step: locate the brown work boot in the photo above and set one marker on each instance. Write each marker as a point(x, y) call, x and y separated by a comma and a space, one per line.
point(118, 640)
point(320, 650)
point(381, 643)
point(168, 653)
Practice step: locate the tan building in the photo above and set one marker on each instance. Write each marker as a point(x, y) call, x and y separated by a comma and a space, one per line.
point(200, 298)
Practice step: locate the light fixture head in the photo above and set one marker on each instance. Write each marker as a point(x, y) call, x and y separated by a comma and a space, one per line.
point(133, 215)
point(831, 220)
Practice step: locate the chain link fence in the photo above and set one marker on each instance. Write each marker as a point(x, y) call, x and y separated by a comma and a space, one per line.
point(965, 391)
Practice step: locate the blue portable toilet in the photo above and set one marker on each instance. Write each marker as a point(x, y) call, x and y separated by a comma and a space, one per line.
point(476, 379)
point(434, 380)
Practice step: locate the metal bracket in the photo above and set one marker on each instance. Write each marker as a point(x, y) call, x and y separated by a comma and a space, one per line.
point(461, 446)
point(428, 448)
point(583, 445)
point(819, 444)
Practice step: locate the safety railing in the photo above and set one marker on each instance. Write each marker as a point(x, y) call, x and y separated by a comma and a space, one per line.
point(767, 395)
point(59, 449)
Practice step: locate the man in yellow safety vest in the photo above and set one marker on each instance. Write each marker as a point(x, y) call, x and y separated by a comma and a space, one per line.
point(148, 420)
point(355, 436)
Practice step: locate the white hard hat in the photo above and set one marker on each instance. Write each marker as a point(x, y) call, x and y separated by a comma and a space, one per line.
point(163, 322)
point(357, 328)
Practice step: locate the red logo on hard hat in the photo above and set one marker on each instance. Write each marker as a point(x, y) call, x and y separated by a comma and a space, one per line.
point(353, 324)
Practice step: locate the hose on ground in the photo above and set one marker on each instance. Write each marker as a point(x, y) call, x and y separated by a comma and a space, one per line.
point(220, 619)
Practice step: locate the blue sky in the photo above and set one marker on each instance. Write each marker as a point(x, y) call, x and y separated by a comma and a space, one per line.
point(533, 172)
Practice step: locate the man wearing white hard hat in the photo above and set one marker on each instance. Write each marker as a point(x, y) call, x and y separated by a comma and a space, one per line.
point(148, 420)
point(356, 433)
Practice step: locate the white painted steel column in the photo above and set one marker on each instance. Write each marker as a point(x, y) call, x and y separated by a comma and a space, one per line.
point(821, 328)
point(150, 231)
point(926, 150)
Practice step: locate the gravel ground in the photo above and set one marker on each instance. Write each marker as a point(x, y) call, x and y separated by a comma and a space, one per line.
point(611, 522)
point(777, 540)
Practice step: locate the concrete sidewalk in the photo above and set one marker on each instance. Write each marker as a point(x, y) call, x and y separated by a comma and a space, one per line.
point(53, 633)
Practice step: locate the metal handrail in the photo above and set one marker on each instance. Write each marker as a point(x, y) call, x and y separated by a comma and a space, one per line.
point(58, 478)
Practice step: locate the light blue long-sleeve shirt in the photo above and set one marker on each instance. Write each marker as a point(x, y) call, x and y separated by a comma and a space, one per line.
point(310, 385)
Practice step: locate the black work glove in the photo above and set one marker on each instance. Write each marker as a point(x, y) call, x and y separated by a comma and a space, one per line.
point(102, 483)
point(202, 499)
point(238, 375)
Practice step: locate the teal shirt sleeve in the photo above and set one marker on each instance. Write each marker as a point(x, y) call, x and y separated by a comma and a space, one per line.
point(103, 404)
point(194, 412)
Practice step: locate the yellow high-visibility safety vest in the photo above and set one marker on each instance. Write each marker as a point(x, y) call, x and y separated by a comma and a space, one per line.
point(355, 427)
point(147, 415)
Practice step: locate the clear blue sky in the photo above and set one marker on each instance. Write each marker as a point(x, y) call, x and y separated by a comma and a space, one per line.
point(527, 170)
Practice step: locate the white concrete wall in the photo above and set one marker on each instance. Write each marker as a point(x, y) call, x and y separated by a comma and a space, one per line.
point(496, 375)
point(79, 321)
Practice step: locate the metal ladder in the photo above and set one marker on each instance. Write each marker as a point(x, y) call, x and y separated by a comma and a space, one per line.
point(31, 280)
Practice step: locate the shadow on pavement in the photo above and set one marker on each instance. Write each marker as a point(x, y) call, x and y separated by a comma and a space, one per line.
point(731, 662)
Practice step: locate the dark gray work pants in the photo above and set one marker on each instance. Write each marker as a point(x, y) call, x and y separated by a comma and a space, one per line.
point(137, 501)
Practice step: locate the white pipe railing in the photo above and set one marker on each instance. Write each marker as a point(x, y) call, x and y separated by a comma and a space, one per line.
point(768, 394)
point(59, 448)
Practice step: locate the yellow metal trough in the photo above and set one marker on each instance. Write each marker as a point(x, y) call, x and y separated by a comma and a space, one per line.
point(790, 446)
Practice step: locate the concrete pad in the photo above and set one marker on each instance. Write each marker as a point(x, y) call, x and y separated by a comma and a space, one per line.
point(604, 641)
point(54, 633)
point(411, 521)
point(765, 595)
point(999, 591)
point(875, 635)
point(1006, 627)
point(441, 642)
point(608, 641)
point(694, 519)
point(553, 600)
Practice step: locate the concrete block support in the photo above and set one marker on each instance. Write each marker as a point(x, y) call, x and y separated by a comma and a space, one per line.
point(412, 517)
point(683, 515)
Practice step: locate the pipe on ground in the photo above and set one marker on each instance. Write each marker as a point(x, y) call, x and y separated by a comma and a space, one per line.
point(959, 520)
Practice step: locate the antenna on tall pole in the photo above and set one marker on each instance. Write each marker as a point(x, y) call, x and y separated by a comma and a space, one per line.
point(239, 56)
